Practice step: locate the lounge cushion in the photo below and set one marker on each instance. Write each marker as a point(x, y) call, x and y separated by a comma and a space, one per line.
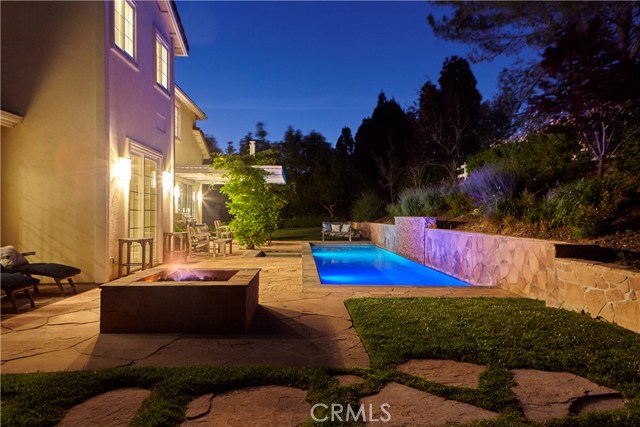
point(327, 227)
point(335, 228)
point(10, 257)
point(56, 271)
point(12, 282)
point(346, 228)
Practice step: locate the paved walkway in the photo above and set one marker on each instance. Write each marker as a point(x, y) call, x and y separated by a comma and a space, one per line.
point(294, 326)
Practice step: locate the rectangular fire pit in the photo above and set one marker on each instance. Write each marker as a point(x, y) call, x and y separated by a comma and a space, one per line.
point(208, 301)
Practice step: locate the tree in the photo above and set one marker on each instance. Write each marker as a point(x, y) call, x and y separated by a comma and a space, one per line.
point(447, 118)
point(345, 143)
point(495, 28)
point(387, 127)
point(323, 184)
point(260, 138)
point(230, 148)
point(254, 203)
point(212, 144)
point(588, 87)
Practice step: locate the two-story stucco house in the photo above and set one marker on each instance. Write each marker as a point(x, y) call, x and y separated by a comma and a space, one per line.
point(88, 104)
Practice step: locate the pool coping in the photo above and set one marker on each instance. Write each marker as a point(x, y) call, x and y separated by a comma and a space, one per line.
point(311, 277)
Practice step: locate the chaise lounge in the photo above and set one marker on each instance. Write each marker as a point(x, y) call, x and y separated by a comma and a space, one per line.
point(15, 262)
point(13, 283)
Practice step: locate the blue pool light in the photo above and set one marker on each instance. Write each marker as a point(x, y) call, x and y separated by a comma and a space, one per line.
point(371, 265)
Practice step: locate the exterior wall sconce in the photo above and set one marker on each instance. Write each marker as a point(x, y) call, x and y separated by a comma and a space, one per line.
point(176, 192)
point(167, 180)
point(124, 171)
point(200, 196)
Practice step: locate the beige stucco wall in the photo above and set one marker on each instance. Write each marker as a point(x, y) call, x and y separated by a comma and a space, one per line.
point(188, 153)
point(82, 103)
point(54, 164)
point(138, 111)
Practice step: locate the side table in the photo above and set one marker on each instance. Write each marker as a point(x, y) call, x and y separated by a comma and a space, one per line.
point(176, 245)
point(129, 241)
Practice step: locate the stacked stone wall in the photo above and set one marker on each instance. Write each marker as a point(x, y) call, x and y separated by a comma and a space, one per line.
point(600, 290)
point(526, 267)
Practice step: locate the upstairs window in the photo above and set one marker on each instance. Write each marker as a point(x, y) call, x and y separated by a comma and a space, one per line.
point(125, 26)
point(162, 64)
point(177, 121)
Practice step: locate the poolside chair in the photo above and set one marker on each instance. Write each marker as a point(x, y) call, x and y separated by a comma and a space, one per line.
point(15, 262)
point(13, 283)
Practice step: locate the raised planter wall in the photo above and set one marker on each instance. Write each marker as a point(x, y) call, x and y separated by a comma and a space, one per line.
point(598, 289)
point(526, 267)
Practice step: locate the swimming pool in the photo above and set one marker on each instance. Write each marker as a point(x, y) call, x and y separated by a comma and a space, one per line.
point(371, 265)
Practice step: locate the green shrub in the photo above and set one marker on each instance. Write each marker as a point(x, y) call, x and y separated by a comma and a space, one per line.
point(368, 207)
point(587, 206)
point(458, 202)
point(394, 210)
point(427, 201)
point(542, 159)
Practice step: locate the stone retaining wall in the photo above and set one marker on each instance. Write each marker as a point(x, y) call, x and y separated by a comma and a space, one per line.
point(526, 267)
point(598, 289)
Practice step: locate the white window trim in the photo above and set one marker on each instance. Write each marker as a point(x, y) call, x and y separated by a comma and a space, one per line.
point(161, 41)
point(177, 127)
point(121, 50)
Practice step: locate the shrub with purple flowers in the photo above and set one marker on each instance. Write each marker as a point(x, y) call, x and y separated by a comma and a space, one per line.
point(494, 189)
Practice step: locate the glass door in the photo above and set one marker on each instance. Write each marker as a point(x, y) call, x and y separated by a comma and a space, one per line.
point(143, 200)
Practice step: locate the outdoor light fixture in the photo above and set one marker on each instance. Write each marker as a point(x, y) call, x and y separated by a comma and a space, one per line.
point(200, 196)
point(124, 171)
point(176, 192)
point(167, 180)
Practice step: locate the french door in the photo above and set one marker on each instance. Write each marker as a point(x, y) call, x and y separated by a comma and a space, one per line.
point(143, 201)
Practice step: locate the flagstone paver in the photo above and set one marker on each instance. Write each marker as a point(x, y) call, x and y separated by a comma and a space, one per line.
point(199, 406)
point(408, 406)
point(256, 406)
point(447, 372)
point(112, 409)
point(545, 395)
point(296, 325)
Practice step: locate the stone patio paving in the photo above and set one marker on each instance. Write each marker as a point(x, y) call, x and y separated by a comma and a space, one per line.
point(295, 325)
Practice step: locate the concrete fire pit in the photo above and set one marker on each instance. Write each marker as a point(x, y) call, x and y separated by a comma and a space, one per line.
point(207, 301)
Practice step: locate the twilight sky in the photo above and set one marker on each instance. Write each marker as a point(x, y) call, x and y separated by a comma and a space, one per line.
point(312, 65)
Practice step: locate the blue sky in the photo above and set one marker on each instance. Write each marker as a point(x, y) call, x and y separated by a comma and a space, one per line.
point(312, 65)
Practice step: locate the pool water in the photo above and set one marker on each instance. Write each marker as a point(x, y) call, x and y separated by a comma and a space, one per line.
point(371, 265)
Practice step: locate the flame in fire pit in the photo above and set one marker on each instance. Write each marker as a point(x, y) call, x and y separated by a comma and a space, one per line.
point(190, 275)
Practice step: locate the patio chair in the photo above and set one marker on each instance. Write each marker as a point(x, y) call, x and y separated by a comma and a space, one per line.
point(15, 262)
point(13, 283)
point(199, 238)
point(222, 231)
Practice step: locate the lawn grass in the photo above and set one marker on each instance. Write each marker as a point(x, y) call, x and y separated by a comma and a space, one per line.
point(304, 234)
point(500, 333)
point(503, 334)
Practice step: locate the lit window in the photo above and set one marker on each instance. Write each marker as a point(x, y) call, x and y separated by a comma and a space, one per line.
point(177, 121)
point(125, 26)
point(162, 64)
